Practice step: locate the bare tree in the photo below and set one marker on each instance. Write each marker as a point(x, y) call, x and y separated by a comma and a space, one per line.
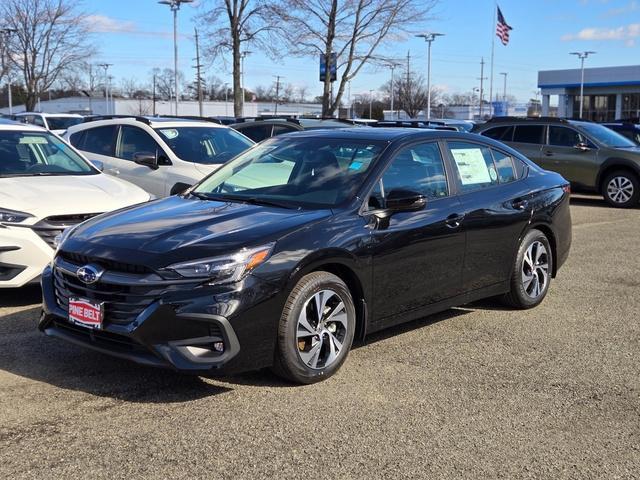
point(232, 26)
point(50, 38)
point(412, 95)
point(352, 29)
point(303, 91)
point(164, 81)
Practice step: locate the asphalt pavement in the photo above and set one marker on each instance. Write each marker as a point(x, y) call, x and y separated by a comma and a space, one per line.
point(475, 392)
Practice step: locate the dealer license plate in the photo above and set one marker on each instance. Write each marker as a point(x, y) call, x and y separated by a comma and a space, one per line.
point(86, 313)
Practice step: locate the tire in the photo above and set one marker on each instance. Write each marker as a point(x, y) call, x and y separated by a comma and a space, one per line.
point(309, 350)
point(531, 272)
point(621, 189)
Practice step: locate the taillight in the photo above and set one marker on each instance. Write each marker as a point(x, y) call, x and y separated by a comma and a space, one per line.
point(566, 188)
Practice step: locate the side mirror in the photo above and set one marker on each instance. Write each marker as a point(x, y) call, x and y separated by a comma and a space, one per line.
point(98, 164)
point(147, 159)
point(583, 147)
point(179, 188)
point(405, 201)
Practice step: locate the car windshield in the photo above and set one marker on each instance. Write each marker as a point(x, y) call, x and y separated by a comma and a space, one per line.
point(62, 123)
point(294, 172)
point(205, 145)
point(606, 136)
point(26, 154)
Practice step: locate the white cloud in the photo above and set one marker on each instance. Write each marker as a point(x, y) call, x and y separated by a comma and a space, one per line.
point(104, 24)
point(625, 33)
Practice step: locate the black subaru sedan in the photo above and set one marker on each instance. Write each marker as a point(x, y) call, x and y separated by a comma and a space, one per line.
point(306, 242)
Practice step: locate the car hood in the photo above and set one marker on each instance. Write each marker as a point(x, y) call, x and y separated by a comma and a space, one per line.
point(177, 229)
point(68, 194)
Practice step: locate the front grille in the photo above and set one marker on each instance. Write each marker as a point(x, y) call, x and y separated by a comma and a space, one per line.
point(49, 228)
point(109, 340)
point(104, 263)
point(125, 296)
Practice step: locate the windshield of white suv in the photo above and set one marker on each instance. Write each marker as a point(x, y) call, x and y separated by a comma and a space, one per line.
point(287, 172)
point(606, 136)
point(206, 145)
point(62, 123)
point(26, 154)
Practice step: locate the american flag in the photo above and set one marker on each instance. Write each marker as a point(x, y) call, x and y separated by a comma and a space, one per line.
point(502, 28)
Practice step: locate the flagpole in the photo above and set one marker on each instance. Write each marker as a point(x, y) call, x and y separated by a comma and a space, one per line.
point(493, 48)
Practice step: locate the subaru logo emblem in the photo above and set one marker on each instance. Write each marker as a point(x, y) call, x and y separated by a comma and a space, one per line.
point(89, 274)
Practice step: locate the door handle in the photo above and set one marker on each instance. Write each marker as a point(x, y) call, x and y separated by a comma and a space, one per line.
point(548, 153)
point(454, 220)
point(520, 204)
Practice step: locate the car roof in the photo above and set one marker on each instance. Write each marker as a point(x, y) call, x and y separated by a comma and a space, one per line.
point(166, 122)
point(44, 114)
point(380, 134)
point(6, 124)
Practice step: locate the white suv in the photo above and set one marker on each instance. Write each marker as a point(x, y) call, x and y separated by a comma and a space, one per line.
point(161, 155)
point(58, 123)
point(46, 187)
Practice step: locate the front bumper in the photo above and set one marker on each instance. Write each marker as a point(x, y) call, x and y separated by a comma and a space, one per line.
point(178, 330)
point(23, 255)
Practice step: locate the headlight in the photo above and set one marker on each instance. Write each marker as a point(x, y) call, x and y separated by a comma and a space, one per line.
point(226, 268)
point(11, 216)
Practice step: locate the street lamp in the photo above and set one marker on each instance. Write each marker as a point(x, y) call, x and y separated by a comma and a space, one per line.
point(429, 37)
point(582, 56)
point(106, 83)
point(393, 66)
point(504, 91)
point(4, 39)
point(174, 5)
point(242, 55)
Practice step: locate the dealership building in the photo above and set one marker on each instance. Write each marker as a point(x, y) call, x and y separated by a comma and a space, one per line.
point(609, 93)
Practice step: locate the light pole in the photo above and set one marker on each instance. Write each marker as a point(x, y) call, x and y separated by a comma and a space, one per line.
point(4, 39)
point(370, 102)
point(504, 91)
point(106, 83)
point(226, 99)
point(242, 55)
point(174, 5)
point(582, 56)
point(477, 89)
point(429, 37)
point(393, 66)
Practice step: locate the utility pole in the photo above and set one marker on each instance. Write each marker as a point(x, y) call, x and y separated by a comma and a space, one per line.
point(349, 99)
point(582, 56)
point(106, 85)
point(482, 79)
point(198, 75)
point(278, 77)
point(174, 5)
point(429, 38)
point(370, 102)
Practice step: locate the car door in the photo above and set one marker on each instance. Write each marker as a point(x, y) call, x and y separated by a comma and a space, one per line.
point(494, 201)
point(417, 255)
point(528, 140)
point(571, 154)
point(133, 143)
point(98, 143)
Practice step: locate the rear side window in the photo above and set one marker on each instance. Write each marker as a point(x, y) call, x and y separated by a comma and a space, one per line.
point(77, 139)
point(257, 133)
point(504, 166)
point(564, 137)
point(475, 166)
point(134, 140)
point(99, 140)
point(504, 133)
point(529, 134)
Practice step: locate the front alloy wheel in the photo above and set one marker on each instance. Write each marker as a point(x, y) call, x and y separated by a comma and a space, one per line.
point(316, 329)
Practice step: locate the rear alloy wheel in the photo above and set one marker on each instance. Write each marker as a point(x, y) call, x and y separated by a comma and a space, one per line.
point(621, 189)
point(531, 272)
point(316, 329)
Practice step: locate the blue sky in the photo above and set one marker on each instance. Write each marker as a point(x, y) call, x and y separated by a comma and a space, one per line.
point(135, 35)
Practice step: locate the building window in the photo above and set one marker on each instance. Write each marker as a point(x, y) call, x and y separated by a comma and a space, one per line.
point(630, 106)
point(598, 108)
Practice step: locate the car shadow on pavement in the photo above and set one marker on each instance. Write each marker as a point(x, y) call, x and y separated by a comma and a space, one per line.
point(28, 353)
point(20, 297)
point(589, 201)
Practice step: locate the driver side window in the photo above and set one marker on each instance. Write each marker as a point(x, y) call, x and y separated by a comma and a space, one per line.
point(418, 168)
point(134, 140)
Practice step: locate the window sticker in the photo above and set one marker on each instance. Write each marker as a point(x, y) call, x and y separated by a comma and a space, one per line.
point(33, 141)
point(355, 166)
point(169, 133)
point(471, 165)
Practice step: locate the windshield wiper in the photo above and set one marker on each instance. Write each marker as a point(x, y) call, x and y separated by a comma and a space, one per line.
point(264, 201)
